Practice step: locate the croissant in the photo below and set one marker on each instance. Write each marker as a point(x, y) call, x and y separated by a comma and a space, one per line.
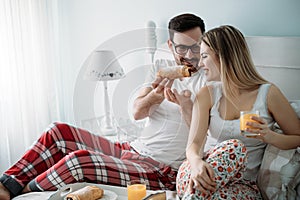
point(86, 193)
point(174, 72)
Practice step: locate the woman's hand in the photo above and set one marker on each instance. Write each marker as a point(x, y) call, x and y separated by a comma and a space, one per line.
point(182, 99)
point(202, 177)
point(260, 127)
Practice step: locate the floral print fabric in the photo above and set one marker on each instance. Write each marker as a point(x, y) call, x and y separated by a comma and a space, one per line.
point(228, 159)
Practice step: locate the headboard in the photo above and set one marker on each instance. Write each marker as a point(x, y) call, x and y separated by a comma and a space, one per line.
point(277, 59)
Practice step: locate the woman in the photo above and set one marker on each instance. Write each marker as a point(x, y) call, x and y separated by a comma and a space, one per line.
point(221, 163)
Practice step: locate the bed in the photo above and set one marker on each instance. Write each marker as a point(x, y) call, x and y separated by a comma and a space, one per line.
point(276, 58)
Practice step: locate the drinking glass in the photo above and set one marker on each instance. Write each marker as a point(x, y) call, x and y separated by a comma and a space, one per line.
point(136, 190)
point(245, 116)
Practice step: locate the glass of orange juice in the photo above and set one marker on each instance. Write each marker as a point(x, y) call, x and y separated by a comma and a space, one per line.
point(136, 190)
point(245, 116)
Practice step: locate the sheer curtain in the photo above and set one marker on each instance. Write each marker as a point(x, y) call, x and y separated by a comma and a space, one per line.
point(29, 64)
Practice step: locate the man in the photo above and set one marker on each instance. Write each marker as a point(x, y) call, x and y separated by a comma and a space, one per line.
point(65, 154)
point(164, 139)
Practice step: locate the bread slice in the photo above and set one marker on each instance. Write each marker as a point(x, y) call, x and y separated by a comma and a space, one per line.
point(86, 193)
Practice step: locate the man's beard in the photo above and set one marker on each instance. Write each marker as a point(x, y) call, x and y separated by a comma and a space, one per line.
point(188, 62)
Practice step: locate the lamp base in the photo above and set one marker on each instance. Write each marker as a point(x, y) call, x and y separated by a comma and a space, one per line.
point(107, 126)
point(108, 131)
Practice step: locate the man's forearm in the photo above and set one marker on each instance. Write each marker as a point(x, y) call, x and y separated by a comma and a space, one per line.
point(142, 104)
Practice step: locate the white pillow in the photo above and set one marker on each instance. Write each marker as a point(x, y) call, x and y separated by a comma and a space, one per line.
point(296, 106)
point(269, 180)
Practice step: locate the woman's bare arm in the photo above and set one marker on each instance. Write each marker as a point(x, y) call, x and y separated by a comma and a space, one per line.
point(285, 116)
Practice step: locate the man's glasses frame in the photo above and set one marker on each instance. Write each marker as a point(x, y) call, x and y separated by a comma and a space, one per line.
point(183, 49)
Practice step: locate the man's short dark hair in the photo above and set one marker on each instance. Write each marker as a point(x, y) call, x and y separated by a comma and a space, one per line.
point(185, 22)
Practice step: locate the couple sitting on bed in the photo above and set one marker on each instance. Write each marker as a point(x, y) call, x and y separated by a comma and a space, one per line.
point(219, 163)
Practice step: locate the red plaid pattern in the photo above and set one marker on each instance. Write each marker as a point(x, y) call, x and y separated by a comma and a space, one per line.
point(65, 154)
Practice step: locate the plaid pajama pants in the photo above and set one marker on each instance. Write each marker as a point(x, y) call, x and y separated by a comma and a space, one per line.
point(65, 154)
point(228, 161)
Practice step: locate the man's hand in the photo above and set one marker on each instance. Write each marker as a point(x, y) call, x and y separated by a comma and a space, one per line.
point(159, 85)
point(149, 97)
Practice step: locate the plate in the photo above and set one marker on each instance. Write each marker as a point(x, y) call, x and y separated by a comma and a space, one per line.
point(65, 190)
point(34, 195)
point(109, 195)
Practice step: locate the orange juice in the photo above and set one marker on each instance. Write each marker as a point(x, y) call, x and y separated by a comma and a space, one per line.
point(136, 191)
point(244, 118)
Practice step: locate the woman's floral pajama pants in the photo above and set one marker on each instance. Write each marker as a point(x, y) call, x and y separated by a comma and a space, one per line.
point(228, 161)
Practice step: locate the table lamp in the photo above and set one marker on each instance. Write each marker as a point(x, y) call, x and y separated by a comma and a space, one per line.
point(104, 66)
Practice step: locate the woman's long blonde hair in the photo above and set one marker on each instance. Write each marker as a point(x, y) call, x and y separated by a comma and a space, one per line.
point(237, 68)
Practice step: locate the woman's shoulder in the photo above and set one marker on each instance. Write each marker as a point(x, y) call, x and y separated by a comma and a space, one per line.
point(208, 92)
point(274, 91)
point(214, 85)
point(210, 87)
point(275, 97)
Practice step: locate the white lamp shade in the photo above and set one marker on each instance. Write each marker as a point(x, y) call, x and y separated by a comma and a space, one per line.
point(103, 66)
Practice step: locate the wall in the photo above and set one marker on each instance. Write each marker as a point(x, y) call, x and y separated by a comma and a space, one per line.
point(88, 24)
point(277, 60)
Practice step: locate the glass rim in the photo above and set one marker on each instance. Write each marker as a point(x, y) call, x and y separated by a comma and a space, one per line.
point(249, 112)
point(136, 181)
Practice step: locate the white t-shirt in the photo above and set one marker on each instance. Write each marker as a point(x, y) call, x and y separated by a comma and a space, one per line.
point(165, 136)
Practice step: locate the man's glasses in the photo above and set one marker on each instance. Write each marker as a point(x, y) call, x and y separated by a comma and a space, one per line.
point(183, 49)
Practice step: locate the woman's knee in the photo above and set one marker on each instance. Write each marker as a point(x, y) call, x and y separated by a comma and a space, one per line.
point(183, 177)
point(228, 160)
point(230, 151)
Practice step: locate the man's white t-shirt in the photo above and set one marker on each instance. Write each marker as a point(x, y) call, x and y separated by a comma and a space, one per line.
point(165, 136)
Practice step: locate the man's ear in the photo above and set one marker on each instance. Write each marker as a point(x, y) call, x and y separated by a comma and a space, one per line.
point(170, 45)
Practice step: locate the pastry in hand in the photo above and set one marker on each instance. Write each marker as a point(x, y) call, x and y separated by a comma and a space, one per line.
point(174, 72)
point(86, 193)
point(186, 69)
